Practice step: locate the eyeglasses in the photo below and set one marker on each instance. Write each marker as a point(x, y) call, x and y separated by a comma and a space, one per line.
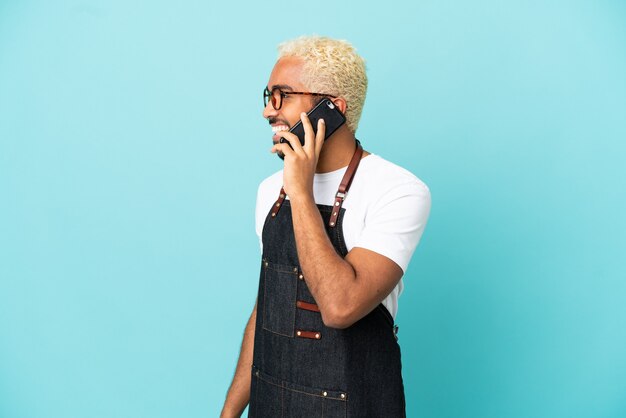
point(276, 96)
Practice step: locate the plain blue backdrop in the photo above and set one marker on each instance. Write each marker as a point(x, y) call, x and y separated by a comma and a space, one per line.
point(132, 144)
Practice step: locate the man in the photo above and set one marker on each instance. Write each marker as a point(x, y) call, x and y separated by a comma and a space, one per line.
point(338, 226)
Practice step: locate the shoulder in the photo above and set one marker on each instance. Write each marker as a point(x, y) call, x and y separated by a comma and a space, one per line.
point(382, 178)
point(394, 205)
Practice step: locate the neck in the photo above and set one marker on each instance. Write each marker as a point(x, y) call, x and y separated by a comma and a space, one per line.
point(337, 151)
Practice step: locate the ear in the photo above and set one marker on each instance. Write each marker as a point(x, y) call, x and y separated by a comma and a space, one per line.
point(340, 102)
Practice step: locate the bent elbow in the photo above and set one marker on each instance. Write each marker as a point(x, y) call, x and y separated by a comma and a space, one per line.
point(338, 318)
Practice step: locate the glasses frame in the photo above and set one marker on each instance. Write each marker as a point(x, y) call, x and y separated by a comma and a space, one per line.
point(268, 96)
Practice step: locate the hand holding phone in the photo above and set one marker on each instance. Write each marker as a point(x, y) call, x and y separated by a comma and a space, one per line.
point(326, 110)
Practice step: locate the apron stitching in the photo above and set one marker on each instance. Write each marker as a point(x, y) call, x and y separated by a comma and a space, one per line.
point(282, 400)
point(283, 386)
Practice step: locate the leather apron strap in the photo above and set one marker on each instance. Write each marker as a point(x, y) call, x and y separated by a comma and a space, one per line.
point(340, 196)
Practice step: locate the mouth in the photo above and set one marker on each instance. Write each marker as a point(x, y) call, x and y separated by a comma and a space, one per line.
point(276, 129)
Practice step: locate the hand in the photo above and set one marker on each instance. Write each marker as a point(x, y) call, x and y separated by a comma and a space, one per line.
point(301, 161)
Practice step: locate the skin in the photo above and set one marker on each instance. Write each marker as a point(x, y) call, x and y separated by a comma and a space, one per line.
point(345, 289)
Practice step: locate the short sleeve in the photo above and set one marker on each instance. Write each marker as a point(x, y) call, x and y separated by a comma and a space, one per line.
point(266, 196)
point(395, 223)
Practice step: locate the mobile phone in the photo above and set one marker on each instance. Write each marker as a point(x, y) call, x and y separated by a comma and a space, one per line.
point(326, 109)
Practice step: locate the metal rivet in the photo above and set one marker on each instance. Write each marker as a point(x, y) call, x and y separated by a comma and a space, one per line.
point(298, 333)
point(295, 269)
point(282, 196)
point(277, 204)
point(336, 203)
point(317, 336)
point(343, 396)
point(266, 264)
point(334, 213)
point(332, 224)
point(324, 393)
point(301, 277)
point(273, 214)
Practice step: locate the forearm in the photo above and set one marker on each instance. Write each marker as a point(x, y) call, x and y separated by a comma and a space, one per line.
point(239, 392)
point(331, 279)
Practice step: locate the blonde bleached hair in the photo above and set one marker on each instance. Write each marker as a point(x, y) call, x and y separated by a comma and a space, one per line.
point(331, 66)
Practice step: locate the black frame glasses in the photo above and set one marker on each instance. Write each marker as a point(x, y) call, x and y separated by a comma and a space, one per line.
point(276, 96)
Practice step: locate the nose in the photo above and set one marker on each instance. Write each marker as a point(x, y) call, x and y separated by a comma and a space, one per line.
point(269, 110)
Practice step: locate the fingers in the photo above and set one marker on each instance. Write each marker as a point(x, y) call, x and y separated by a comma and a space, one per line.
point(292, 140)
point(309, 135)
point(319, 137)
point(313, 141)
point(283, 148)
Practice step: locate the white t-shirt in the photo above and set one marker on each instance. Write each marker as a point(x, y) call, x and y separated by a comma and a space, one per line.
point(386, 210)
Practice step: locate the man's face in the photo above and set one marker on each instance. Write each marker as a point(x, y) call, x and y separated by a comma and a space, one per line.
point(286, 75)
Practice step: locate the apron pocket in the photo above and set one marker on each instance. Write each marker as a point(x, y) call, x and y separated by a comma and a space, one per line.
point(281, 287)
point(291, 400)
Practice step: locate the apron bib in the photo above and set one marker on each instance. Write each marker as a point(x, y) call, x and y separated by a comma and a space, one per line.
point(301, 368)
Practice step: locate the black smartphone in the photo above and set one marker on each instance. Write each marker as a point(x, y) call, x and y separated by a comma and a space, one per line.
point(326, 110)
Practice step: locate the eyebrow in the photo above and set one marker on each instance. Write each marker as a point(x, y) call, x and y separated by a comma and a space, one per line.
point(281, 87)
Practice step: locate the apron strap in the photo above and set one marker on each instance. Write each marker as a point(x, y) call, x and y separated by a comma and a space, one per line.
point(279, 202)
point(344, 186)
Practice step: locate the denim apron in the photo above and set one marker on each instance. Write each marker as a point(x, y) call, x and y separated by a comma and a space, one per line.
point(301, 368)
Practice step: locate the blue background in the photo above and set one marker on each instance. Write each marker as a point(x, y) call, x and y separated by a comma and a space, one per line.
point(132, 143)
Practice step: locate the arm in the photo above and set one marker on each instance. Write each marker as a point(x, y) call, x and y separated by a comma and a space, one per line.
point(239, 392)
point(359, 282)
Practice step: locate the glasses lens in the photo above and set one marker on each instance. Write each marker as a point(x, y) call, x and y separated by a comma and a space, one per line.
point(266, 96)
point(277, 98)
